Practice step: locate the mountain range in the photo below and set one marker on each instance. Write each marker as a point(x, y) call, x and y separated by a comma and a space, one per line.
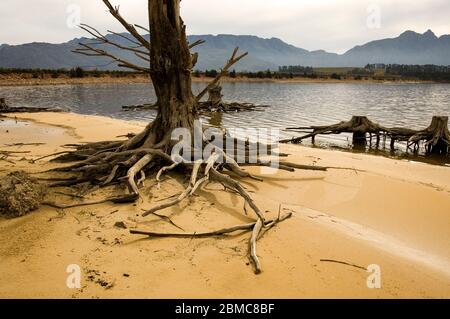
point(408, 48)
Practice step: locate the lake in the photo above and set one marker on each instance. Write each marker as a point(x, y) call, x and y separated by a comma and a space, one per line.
point(291, 104)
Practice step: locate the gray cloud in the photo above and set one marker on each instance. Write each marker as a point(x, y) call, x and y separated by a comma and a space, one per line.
point(333, 25)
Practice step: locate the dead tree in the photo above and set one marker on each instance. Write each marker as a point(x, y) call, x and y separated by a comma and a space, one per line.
point(436, 137)
point(170, 64)
point(359, 126)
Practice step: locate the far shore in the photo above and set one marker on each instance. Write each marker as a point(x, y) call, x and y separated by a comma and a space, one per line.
point(16, 80)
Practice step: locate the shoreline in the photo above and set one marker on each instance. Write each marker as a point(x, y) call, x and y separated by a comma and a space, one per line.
point(16, 81)
point(389, 212)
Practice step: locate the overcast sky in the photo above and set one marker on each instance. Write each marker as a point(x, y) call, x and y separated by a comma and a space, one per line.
point(332, 25)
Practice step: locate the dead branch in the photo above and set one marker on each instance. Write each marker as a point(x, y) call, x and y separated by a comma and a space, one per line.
point(194, 44)
point(343, 263)
point(115, 200)
point(137, 44)
point(129, 27)
point(233, 60)
point(91, 51)
point(24, 144)
point(142, 28)
point(104, 40)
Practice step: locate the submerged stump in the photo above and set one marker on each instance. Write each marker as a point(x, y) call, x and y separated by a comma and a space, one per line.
point(214, 104)
point(436, 136)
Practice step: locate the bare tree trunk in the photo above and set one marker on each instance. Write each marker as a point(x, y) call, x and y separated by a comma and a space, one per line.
point(171, 65)
point(215, 96)
point(130, 161)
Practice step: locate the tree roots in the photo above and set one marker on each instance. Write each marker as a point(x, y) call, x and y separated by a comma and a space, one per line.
point(436, 137)
point(129, 162)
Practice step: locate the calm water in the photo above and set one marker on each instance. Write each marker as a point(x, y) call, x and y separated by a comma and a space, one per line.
point(408, 105)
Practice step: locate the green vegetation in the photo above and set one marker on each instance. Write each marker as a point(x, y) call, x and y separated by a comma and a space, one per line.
point(72, 73)
point(380, 72)
point(330, 70)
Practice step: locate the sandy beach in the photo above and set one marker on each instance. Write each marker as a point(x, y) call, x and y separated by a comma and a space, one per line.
point(378, 211)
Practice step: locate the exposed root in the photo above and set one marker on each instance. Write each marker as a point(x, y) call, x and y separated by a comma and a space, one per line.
point(139, 166)
point(125, 199)
point(436, 137)
point(255, 234)
point(131, 161)
point(244, 227)
point(169, 220)
point(360, 126)
point(163, 170)
point(194, 184)
point(255, 227)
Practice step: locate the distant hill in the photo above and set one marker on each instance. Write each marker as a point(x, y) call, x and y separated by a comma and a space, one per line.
point(409, 48)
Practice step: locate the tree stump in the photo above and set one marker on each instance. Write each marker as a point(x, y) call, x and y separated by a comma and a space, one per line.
point(436, 136)
point(215, 96)
point(3, 105)
point(359, 126)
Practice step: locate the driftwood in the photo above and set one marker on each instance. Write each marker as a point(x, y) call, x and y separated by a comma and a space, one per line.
point(4, 108)
point(205, 107)
point(213, 104)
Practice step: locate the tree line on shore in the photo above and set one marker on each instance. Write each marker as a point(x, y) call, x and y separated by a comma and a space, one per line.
point(390, 72)
point(77, 72)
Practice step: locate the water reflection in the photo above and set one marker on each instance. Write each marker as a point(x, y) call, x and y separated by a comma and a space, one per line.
point(215, 119)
